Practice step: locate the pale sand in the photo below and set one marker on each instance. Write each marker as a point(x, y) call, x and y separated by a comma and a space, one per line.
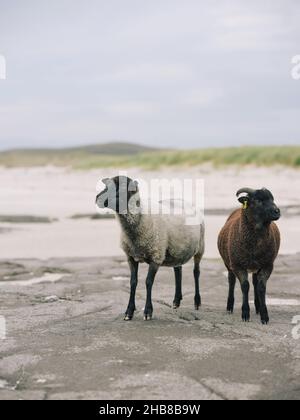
point(58, 192)
point(63, 334)
point(87, 238)
point(66, 339)
point(61, 193)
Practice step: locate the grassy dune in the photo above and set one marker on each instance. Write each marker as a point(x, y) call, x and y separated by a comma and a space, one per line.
point(88, 159)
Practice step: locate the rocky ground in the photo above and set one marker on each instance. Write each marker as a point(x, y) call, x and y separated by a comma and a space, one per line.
point(65, 337)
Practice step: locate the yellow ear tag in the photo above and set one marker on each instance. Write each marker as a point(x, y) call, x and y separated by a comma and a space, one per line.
point(245, 205)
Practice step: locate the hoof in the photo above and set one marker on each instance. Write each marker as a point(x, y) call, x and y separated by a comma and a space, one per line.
point(230, 306)
point(197, 302)
point(264, 316)
point(246, 317)
point(176, 305)
point(245, 313)
point(147, 317)
point(129, 313)
point(197, 307)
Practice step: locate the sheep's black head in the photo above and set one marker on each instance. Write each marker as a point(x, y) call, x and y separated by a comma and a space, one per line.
point(119, 194)
point(261, 205)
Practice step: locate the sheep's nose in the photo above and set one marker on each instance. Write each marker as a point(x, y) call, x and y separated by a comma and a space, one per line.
point(277, 213)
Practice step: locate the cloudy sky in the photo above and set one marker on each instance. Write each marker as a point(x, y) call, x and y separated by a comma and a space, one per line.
point(175, 73)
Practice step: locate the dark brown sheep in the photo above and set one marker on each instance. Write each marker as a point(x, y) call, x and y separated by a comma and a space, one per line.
point(249, 243)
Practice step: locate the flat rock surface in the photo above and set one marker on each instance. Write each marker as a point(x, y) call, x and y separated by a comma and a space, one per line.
point(62, 335)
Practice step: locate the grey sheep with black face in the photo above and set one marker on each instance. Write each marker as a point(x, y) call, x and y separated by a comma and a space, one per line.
point(249, 243)
point(155, 239)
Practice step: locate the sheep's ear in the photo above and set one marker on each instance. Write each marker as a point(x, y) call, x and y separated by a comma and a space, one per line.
point(244, 200)
point(105, 181)
point(133, 186)
point(136, 186)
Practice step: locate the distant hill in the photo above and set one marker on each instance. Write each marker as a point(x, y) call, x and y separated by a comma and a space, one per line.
point(127, 155)
point(115, 148)
point(90, 156)
point(109, 149)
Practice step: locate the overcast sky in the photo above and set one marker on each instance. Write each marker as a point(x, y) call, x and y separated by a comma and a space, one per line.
point(162, 72)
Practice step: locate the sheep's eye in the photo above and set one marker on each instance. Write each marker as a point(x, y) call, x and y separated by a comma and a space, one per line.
point(259, 203)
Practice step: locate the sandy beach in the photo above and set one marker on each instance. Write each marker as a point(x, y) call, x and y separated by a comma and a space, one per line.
point(66, 338)
point(64, 286)
point(59, 194)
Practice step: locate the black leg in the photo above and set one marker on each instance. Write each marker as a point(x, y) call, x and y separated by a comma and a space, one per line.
point(178, 287)
point(256, 297)
point(197, 299)
point(231, 282)
point(243, 278)
point(153, 268)
point(262, 277)
point(134, 266)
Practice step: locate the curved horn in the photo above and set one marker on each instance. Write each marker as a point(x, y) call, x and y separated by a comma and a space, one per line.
point(245, 190)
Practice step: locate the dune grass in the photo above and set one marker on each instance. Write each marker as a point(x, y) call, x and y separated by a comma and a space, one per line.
point(81, 159)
